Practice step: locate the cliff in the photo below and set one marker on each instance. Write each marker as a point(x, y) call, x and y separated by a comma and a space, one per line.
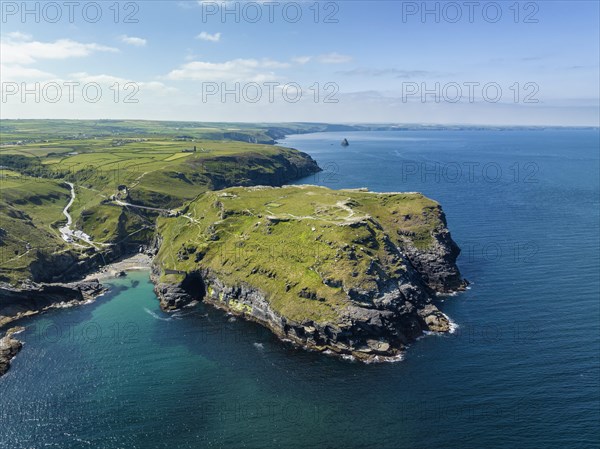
point(31, 208)
point(31, 299)
point(351, 272)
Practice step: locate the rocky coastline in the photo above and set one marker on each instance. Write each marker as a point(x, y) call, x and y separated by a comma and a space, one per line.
point(9, 348)
point(374, 332)
point(378, 322)
point(381, 279)
point(33, 299)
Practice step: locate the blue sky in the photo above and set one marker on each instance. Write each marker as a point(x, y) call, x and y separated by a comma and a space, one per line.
point(373, 63)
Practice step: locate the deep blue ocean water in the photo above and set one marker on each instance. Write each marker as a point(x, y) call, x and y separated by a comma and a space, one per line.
point(522, 370)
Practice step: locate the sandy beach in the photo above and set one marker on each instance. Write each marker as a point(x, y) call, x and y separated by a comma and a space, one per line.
point(137, 262)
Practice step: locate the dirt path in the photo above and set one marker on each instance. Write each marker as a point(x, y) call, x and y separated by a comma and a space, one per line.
point(68, 234)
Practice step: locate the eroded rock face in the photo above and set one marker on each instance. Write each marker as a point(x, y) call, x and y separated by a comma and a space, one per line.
point(437, 264)
point(380, 259)
point(174, 296)
point(9, 347)
point(365, 331)
point(434, 320)
point(67, 267)
point(34, 298)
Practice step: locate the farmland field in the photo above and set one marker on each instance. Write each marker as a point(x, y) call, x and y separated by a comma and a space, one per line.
point(124, 174)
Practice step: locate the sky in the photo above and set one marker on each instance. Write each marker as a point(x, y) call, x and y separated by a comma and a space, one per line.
point(488, 63)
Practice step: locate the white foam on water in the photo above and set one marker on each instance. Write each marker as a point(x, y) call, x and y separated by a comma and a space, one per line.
point(386, 359)
point(453, 326)
point(259, 346)
point(154, 315)
point(69, 304)
point(179, 315)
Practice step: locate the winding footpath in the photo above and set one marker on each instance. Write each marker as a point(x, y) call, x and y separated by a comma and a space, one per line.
point(69, 235)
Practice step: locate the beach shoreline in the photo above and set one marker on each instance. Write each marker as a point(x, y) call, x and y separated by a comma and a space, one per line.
point(137, 262)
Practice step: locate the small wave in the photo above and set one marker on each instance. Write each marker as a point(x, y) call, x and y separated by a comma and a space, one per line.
point(232, 319)
point(453, 325)
point(154, 315)
point(386, 359)
point(259, 346)
point(179, 315)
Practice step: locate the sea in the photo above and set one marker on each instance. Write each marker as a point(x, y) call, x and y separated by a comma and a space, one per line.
point(521, 370)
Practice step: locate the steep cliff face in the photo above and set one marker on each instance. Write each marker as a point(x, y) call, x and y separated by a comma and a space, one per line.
point(345, 271)
point(252, 169)
point(34, 298)
point(436, 263)
point(70, 266)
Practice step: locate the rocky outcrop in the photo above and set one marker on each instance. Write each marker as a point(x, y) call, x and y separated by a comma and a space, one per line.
point(348, 272)
point(437, 263)
point(70, 266)
point(9, 348)
point(374, 329)
point(256, 169)
point(31, 299)
point(176, 295)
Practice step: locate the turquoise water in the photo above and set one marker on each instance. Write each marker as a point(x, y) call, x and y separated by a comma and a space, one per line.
point(522, 370)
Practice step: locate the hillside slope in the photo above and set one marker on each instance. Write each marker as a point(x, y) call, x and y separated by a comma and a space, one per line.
point(348, 271)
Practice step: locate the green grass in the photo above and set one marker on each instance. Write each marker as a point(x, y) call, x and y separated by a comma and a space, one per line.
point(47, 130)
point(156, 170)
point(30, 214)
point(304, 247)
point(100, 156)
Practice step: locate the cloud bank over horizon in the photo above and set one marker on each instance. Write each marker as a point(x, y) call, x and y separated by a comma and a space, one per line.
point(329, 62)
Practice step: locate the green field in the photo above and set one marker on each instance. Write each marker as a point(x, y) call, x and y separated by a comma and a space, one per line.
point(125, 174)
point(306, 247)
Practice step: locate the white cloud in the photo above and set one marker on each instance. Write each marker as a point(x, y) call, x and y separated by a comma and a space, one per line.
point(204, 36)
point(132, 40)
point(20, 50)
point(234, 70)
point(334, 58)
point(85, 77)
point(269, 63)
point(19, 73)
point(104, 79)
point(17, 35)
point(301, 59)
